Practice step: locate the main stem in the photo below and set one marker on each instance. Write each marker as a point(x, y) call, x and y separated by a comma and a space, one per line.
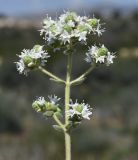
point(67, 99)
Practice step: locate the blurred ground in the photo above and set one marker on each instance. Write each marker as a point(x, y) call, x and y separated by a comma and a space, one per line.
point(111, 134)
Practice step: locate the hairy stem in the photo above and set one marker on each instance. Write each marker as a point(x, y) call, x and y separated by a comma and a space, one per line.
point(67, 99)
point(55, 78)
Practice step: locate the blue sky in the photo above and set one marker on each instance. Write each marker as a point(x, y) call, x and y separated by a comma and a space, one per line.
point(17, 7)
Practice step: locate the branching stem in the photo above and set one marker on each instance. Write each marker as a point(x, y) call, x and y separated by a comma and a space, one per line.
point(82, 77)
point(59, 123)
point(55, 78)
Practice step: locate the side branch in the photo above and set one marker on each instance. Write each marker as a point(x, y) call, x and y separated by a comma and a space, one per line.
point(59, 123)
point(52, 76)
point(81, 78)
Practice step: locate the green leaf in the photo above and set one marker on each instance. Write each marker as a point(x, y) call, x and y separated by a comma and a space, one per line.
point(48, 113)
point(57, 128)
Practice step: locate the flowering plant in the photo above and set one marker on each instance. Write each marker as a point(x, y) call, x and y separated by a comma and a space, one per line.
point(63, 34)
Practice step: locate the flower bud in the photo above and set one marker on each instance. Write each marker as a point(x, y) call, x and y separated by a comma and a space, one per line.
point(37, 48)
point(36, 107)
point(78, 112)
point(82, 28)
point(79, 108)
point(93, 22)
point(27, 60)
point(70, 16)
point(102, 51)
point(39, 108)
point(51, 107)
point(47, 108)
point(68, 28)
point(30, 62)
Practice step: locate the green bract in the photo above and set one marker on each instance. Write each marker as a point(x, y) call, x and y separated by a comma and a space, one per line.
point(38, 107)
point(27, 60)
point(93, 22)
point(102, 51)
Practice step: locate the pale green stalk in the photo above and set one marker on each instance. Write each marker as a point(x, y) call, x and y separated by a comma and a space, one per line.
point(55, 78)
point(67, 99)
point(59, 123)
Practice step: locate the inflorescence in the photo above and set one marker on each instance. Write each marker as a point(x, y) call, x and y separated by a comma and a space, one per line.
point(31, 59)
point(79, 111)
point(68, 28)
point(47, 108)
point(50, 107)
point(99, 55)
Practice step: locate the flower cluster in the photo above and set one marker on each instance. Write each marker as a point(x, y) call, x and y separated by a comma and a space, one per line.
point(70, 26)
point(99, 55)
point(63, 34)
point(78, 112)
point(47, 108)
point(31, 59)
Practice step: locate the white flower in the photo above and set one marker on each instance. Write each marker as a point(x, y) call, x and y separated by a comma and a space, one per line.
point(82, 36)
point(80, 19)
point(41, 101)
point(40, 54)
point(42, 31)
point(29, 58)
point(67, 16)
point(59, 28)
point(86, 112)
point(99, 55)
point(88, 58)
point(110, 58)
point(67, 26)
point(71, 23)
point(50, 37)
point(20, 66)
point(100, 59)
point(70, 113)
point(48, 22)
point(99, 31)
point(63, 17)
point(82, 110)
point(65, 37)
point(53, 99)
point(33, 53)
point(73, 109)
point(93, 51)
